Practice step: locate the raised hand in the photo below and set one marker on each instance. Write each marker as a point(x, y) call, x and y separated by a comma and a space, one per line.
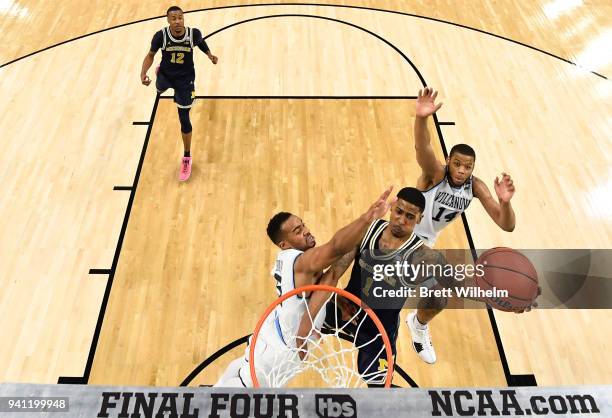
point(425, 104)
point(504, 188)
point(381, 206)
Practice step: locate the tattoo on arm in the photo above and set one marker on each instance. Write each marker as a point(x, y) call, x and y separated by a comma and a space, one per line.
point(433, 262)
point(427, 255)
point(343, 263)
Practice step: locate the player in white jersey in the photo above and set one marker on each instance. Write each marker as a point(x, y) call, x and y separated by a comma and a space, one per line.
point(449, 187)
point(298, 263)
point(444, 201)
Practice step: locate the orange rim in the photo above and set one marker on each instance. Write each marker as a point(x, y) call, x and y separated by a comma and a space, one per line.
point(313, 288)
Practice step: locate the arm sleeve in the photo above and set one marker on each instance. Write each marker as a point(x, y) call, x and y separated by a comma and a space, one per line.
point(199, 41)
point(157, 41)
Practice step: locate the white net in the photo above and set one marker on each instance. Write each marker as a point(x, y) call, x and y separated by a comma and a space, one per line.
point(340, 353)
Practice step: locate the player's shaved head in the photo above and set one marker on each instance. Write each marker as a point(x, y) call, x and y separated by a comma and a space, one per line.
point(412, 195)
point(173, 9)
point(464, 149)
point(275, 225)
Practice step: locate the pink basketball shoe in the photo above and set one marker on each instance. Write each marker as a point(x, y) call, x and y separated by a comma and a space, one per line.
point(185, 169)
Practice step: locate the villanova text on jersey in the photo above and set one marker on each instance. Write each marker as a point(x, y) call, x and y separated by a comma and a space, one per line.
point(451, 201)
point(443, 203)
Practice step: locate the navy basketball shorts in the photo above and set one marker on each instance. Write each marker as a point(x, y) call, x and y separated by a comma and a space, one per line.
point(372, 357)
point(184, 89)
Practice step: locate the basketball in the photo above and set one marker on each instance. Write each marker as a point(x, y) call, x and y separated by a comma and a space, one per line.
point(507, 269)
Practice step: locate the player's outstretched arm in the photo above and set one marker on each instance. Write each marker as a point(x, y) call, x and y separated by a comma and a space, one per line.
point(146, 64)
point(501, 210)
point(425, 106)
point(330, 278)
point(319, 258)
point(319, 298)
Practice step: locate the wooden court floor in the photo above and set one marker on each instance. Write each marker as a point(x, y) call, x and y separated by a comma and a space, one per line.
point(203, 266)
point(103, 249)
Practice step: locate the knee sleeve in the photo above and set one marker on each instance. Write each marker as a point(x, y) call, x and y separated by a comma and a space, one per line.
point(184, 119)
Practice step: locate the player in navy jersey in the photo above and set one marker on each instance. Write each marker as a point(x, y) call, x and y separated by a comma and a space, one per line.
point(385, 242)
point(177, 71)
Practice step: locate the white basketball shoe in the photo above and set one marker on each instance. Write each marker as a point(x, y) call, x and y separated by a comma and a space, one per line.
point(421, 340)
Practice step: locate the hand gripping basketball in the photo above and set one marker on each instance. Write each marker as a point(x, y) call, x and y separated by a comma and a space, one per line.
point(509, 270)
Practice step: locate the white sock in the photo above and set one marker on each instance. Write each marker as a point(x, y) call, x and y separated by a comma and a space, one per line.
point(418, 324)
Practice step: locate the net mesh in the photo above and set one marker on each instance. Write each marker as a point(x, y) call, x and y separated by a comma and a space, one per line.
point(330, 359)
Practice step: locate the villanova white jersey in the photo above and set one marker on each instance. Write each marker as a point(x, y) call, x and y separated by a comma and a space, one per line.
point(275, 347)
point(443, 203)
point(287, 316)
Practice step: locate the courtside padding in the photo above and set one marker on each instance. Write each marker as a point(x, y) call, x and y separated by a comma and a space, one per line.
point(116, 401)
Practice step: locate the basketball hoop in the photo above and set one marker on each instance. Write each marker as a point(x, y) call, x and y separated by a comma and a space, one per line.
point(332, 361)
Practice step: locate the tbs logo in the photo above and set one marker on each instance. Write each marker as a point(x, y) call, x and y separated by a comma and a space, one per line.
point(335, 406)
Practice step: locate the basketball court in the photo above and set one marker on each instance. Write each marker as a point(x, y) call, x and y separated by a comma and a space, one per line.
point(114, 273)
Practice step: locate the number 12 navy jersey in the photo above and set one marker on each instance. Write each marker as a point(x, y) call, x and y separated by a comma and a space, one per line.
point(177, 54)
